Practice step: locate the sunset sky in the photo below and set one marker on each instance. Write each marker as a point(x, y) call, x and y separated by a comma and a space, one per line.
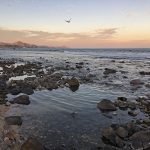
point(95, 23)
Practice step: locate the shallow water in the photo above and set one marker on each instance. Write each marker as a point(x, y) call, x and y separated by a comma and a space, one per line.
point(62, 117)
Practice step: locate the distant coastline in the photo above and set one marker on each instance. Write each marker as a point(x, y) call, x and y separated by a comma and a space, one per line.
point(20, 44)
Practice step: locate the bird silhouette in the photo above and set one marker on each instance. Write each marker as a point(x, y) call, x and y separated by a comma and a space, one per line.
point(68, 21)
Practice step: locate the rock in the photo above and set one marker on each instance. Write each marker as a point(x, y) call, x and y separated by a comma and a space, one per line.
point(22, 99)
point(109, 137)
point(147, 85)
point(109, 71)
point(15, 91)
point(122, 98)
point(7, 104)
point(27, 90)
point(73, 84)
point(13, 120)
point(32, 144)
point(147, 122)
point(2, 84)
point(132, 105)
point(132, 113)
point(122, 105)
point(136, 82)
point(106, 105)
point(140, 140)
point(122, 132)
point(144, 73)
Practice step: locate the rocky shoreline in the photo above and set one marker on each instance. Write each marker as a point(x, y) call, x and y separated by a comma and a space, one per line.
point(43, 74)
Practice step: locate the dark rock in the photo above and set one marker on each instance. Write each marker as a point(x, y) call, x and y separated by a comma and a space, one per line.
point(73, 84)
point(122, 105)
point(106, 105)
point(27, 90)
point(140, 140)
point(109, 71)
point(2, 85)
point(144, 73)
point(15, 91)
point(132, 105)
point(122, 98)
point(132, 113)
point(32, 144)
point(22, 99)
point(122, 132)
point(14, 120)
point(136, 82)
point(109, 137)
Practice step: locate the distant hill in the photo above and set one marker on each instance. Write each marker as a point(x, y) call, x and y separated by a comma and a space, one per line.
point(20, 44)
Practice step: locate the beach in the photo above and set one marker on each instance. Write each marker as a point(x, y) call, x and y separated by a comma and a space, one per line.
point(74, 99)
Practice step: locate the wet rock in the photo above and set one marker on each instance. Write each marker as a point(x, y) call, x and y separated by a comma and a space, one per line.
point(147, 122)
point(109, 137)
point(140, 140)
point(22, 99)
point(136, 82)
point(32, 144)
point(106, 105)
point(132, 105)
point(27, 90)
point(132, 113)
point(2, 84)
point(13, 120)
point(122, 105)
point(109, 71)
point(144, 73)
point(122, 98)
point(15, 91)
point(147, 85)
point(122, 132)
point(73, 84)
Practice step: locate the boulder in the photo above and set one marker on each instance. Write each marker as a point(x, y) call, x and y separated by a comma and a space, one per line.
point(73, 84)
point(109, 137)
point(22, 99)
point(122, 132)
point(106, 105)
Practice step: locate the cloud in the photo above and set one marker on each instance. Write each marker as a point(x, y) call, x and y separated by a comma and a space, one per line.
point(8, 34)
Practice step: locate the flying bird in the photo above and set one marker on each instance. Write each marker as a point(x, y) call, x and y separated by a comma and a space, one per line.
point(68, 21)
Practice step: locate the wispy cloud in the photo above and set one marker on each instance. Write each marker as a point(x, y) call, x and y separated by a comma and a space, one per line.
point(8, 34)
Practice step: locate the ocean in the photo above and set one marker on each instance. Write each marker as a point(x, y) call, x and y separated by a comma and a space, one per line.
point(49, 116)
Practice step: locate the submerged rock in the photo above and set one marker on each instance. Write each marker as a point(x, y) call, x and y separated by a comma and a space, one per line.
point(22, 99)
point(32, 144)
point(13, 120)
point(106, 105)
